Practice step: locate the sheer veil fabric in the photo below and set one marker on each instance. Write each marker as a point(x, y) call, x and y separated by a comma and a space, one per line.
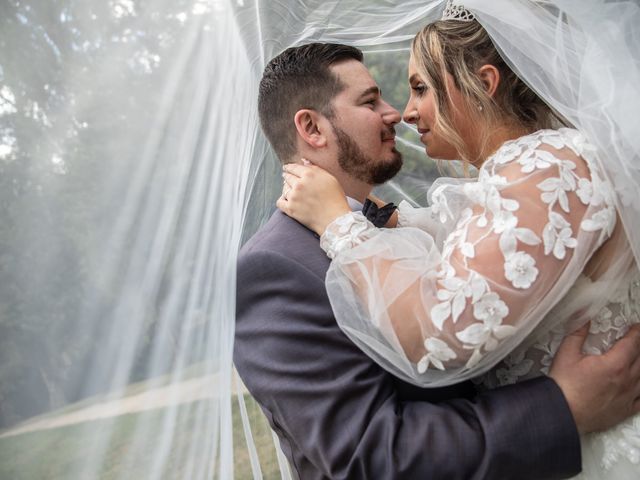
point(582, 61)
point(133, 166)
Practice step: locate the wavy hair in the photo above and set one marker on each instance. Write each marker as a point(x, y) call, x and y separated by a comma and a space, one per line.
point(460, 49)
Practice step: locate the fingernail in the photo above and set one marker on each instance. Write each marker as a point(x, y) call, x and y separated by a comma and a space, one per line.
point(305, 161)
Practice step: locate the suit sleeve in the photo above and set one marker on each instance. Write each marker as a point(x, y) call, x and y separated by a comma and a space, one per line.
point(327, 399)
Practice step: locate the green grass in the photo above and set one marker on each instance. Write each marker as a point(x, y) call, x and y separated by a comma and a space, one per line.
point(61, 452)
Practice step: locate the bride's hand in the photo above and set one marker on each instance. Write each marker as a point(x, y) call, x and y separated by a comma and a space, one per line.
point(312, 196)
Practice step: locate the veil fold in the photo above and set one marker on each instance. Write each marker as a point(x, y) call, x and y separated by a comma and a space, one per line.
point(132, 168)
point(582, 59)
point(579, 58)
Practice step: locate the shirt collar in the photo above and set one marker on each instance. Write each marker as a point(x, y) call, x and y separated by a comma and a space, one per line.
point(354, 204)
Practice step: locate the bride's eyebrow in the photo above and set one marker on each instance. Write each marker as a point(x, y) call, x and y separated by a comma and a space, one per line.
point(414, 78)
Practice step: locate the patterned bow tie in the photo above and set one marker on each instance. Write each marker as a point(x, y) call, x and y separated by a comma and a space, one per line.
point(379, 216)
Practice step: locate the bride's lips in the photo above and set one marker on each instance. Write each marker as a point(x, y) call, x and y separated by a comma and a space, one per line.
point(423, 132)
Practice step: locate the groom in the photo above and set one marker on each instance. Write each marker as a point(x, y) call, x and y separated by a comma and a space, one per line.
point(337, 413)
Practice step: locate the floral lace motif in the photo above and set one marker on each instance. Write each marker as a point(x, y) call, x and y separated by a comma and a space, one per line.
point(499, 215)
point(345, 232)
point(495, 215)
point(610, 324)
point(621, 442)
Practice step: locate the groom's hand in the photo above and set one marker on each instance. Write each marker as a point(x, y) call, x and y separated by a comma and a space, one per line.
point(601, 390)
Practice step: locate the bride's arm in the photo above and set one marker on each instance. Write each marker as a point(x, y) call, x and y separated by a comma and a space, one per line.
point(406, 215)
point(455, 312)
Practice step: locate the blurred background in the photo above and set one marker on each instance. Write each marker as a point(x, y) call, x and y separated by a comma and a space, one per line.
point(132, 168)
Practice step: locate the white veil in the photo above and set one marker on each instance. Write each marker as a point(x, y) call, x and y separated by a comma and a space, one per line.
point(583, 59)
point(132, 165)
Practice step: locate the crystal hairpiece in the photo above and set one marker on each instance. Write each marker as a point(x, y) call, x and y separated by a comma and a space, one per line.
point(457, 12)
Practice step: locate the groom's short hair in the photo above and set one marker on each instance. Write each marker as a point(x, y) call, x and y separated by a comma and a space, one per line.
point(296, 79)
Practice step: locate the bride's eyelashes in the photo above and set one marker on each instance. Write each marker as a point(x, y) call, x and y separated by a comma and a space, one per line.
point(420, 89)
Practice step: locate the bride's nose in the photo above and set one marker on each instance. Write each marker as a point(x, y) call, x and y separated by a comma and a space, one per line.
point(410, 114)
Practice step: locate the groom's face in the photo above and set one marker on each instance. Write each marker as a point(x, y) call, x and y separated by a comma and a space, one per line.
point(363, 125)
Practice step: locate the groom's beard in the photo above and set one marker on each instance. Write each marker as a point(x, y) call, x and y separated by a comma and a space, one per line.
point(372, 171)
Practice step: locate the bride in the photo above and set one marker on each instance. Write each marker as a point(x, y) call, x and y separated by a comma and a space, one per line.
point(486, 281)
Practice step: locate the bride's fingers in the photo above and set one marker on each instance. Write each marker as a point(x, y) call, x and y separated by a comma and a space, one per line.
point(281, 203)
point(287, 184)
point(295, 169)
point(289, 179)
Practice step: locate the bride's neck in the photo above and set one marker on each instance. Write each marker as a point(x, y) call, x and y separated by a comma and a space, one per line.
point(493, 138)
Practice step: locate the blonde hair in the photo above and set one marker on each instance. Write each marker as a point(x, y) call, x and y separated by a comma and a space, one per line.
point(460, 49)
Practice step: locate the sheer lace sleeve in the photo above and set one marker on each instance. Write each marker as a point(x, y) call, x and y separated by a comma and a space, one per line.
point(447, 201)
point(437, 313)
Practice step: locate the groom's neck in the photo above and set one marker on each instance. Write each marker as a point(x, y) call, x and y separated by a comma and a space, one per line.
point(355, 189)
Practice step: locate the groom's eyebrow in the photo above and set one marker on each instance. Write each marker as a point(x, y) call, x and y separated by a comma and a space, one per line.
point(369, 91)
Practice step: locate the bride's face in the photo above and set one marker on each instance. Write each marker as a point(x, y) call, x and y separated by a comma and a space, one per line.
point(422, 112)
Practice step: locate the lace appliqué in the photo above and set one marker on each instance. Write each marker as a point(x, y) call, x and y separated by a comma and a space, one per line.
point(498, 215)
point(344, 233)
point(613, 320)
point(621, 443)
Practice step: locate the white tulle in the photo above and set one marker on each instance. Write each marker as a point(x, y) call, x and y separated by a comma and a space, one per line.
point(582, 59)
point(439, 304)
point(160, 162)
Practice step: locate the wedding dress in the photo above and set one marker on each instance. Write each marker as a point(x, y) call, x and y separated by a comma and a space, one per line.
point(612, 454)
point(485, 282)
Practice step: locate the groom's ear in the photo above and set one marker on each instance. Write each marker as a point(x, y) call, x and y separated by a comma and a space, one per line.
point(311, 127)
point(490, 78)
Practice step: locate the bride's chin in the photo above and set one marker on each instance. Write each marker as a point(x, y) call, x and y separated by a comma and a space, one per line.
point(440, 154)
point(434, 154)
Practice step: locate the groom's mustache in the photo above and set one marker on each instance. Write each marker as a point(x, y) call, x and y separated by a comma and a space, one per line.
point(389, 134)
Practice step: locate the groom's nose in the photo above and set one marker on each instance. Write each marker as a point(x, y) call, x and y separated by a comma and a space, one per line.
point(390, 115)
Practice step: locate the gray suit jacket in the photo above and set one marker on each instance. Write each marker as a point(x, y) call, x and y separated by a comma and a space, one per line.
point(339, 415)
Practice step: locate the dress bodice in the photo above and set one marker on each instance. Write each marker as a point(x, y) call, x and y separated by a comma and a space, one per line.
point(608, 324)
